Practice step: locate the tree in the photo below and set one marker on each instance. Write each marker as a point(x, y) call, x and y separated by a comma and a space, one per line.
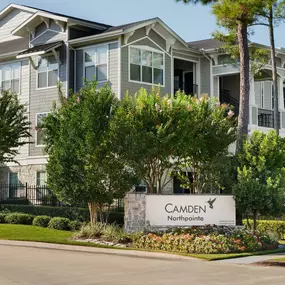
point(14, 126)
point(150, 121)
point(261, 176)
point(271, 13)
point(205, 134)
point(83, 166)
point(237, 16)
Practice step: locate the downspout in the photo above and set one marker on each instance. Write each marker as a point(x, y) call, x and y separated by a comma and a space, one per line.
point(211, 72)
point(74, 66)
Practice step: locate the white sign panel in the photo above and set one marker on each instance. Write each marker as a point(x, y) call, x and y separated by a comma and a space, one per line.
point(190, 210)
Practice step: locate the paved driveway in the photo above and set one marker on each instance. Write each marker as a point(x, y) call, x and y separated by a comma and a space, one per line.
point(32, 266)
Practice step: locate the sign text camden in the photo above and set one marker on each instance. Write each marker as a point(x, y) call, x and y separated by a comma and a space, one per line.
point(190, 210)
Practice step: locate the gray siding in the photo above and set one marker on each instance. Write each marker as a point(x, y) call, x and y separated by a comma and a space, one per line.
point(113, 68)
point(216, 87)
point(225, 69)
point(205, 76)
point(14, 45)
point(10, 22)
point(41, 100)
point(133, 87)
point(47, 37)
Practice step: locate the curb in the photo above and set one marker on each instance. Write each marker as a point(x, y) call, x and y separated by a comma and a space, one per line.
point(96, 250)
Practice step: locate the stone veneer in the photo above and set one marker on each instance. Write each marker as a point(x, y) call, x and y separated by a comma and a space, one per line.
point(26, 173)
point(135, 207)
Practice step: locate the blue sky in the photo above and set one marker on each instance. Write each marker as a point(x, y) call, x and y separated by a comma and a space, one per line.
point(190, 22)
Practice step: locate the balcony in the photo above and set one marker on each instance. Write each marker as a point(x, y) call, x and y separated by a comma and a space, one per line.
point(266, 118)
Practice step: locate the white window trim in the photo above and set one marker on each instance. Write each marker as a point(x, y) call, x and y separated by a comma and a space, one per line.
point(36, 131)
point(93, 48)
point(146, 48)
point(19, 64)
point(37, 78)
point(36, 177)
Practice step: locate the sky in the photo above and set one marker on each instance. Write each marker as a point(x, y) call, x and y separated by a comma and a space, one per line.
point(191, 22)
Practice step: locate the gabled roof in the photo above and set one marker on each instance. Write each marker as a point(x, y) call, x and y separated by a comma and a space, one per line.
point(207, 44)
point(69, 17)
point(10, 7)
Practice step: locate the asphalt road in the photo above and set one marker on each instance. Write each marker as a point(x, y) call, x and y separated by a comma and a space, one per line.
point(32, 266)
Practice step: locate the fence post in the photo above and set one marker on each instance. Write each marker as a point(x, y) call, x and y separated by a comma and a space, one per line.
point(26, 190)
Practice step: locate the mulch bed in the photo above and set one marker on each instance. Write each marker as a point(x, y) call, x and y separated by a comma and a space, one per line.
point(271, 263)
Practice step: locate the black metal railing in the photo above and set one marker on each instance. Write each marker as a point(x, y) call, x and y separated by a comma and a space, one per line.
point(41, 195)
point(266, 118)
point(188, 88)
point(225, 97)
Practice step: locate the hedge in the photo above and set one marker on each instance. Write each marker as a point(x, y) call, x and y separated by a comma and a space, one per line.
point(71, 213)
point(19, 218)
point(267, 226)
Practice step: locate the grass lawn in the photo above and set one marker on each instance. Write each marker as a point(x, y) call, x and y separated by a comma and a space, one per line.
point(38, 234)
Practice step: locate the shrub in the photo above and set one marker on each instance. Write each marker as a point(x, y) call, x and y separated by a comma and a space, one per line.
point(75, 226)
point(19, 218)
point(268, 226)
point(89, 231)
point(58, 223)
point(41, 221)
point(16, 201)
point(71, 213)
point(2, 218)
point(116, 234)
point(210, 242)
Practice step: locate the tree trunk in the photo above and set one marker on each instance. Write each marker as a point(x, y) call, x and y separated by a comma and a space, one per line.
point(243, 119)
point(93, 212)
point(274, 73)
point(254, 221)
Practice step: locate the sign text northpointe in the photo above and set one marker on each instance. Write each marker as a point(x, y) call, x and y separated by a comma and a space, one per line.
point(187, 210)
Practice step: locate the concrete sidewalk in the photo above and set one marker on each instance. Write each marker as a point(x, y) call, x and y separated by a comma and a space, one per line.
point(96, 250)
point(251, 259)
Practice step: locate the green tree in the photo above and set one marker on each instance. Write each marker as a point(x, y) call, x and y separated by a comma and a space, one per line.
point(261, 176)
point(83, 166)
point(271, 13)
point(206, 130)
point(150, 121)
point(236, 16)
point(14, 126)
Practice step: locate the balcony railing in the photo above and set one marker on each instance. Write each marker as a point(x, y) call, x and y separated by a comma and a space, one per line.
point(266, 118)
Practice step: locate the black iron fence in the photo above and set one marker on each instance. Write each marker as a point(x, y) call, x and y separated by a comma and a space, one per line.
point(41, 196)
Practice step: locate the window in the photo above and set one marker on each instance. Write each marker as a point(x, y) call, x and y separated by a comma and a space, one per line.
point(146, 66)
point(41, 178)
point(96, 63)
point(13, 184)
point(47, 72)
point(39, 130)
point(10, 77)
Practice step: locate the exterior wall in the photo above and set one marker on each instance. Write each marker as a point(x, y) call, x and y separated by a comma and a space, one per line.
point(14, 46)
point(205, 76)
point(26, 174)
point(133, 87)
point(113, 67)
point(225, 69)
point(185, 55)
point(10, 22)
point(41, 100)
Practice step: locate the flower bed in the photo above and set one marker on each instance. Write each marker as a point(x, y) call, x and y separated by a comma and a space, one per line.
point(209, 240)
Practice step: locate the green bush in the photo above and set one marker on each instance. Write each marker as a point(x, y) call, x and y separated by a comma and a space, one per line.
point(2, 218)
point(268, 226)
point(58, 223)
point(16, 201)
point(75, 226)
point(89, 231)
point(71, 213)
point(115, 234)
point(19, 218)
point(41, 221)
